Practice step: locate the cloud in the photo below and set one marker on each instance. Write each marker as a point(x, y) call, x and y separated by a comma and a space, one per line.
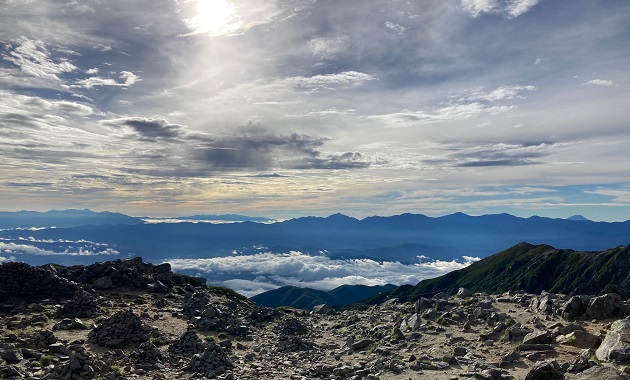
point(34, 62)
point(462, 106)
point(13, 248)
point(331, 81)
point(256, 273)
point(128, 79)
point(247, 148)
point(500, 93)
point(223, 18)
point(506, 8)
point(148, 129)
point(447, 113)
point(501, 154)
point(328, 48)
point(600, 82)
point(395, 27)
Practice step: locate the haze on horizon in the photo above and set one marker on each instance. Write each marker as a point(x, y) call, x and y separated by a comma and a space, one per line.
point(303, 107)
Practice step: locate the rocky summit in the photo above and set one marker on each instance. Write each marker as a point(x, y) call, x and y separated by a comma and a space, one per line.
point(127, 319)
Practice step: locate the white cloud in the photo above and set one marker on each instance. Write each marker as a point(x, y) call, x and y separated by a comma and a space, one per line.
point(6, 259)
point(128, 78)
point(600, 82)
point(13, 248)
point(507, 8)
point(462, 106)
point(330, 81)
point(395, 27)
point(328, 47)
point(501, 93)
point(36, 66)
point(251, 273)
point(448, 113)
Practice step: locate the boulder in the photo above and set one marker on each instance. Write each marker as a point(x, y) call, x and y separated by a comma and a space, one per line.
point(537, 337)
point(464, 293)
point(579, 338)
point(616, 344)
point(574, 307)
point(604, 307)
point(103, 283)
point(545, 370)
point(322, 309)
point(602, 373)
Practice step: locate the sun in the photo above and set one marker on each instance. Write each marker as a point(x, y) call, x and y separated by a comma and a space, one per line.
point(215, 17)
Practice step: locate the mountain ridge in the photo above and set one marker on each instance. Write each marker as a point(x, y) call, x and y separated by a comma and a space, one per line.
point(307, 298)
point(534, 269)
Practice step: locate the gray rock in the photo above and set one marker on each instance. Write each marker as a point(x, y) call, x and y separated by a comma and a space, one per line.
point(579, 338)
point(545, 370)
point(361, 344)
point(511, 357)
point(59, 348)
point(103, 283)
point(574, 307)
point(604, 307)
point(537, 337)
point(464, 293)
point(602, 373)
point(616, 344)
point(12, 356)
point(582, 361)
point(322, 309)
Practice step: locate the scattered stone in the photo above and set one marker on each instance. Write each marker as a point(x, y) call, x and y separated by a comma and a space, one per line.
point(121, 330)
point(212, 362)
point(188, 344)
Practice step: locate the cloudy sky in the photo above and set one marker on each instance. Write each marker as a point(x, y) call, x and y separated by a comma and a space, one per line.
point(284, 108)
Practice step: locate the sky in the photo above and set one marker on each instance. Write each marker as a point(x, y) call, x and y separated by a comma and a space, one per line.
point(311, 107)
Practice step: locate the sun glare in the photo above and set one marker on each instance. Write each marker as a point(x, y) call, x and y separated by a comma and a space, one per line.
point(215, 17)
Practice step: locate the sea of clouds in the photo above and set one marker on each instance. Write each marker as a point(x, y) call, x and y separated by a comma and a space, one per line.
point(257, 273)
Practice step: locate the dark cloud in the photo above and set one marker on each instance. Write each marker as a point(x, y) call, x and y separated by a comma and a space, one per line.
point(149, 129)
point(515, 154)
point(248, 148)
point(347, 160)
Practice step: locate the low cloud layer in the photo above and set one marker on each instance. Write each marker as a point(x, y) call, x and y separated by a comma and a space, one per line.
point(46, 247)
point(252, 274)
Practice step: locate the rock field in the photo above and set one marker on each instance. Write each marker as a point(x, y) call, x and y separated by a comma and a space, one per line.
point(126, 319)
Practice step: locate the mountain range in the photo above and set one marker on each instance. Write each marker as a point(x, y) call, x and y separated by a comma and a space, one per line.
point(63, 218)
point(306, 298)
point(403, 238)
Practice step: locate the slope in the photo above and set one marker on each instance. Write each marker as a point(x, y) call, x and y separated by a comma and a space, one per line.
point(534, 268)
point(306, 298)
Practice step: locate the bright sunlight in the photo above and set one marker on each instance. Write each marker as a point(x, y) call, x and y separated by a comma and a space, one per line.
point(215, 17)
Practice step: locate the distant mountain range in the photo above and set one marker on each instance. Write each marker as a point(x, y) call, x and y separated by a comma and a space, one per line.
point(402, 238)
point(532, 268)
point(305, 298)
point(226, 218)
point(62, 218)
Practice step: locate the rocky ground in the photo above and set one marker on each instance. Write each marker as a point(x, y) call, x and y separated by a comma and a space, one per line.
point(126, 319)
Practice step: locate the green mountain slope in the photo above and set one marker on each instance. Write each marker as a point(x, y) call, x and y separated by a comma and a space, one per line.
point(306, 298)
point(534, 268)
